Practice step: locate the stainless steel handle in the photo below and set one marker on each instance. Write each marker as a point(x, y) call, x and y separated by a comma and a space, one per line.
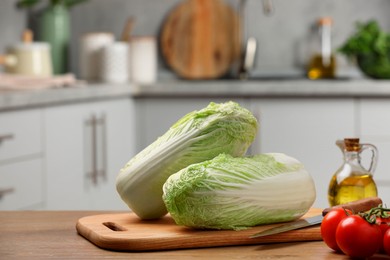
point(92, 174)
point(98, 148)
point(6, 191)
point(6, 137)
point(94, 151)
point(102, 172)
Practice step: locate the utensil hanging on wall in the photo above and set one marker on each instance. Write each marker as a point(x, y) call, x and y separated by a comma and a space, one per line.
point(268, 8)
point(248, 59)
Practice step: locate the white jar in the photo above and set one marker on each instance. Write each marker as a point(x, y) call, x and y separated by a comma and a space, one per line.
point(90, 54)
point(143, 59)
point(115, 62)
point(31, 59)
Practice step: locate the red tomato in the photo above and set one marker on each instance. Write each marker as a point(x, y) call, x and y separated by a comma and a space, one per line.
point(329, 225)
point(386, 242)
point(384, 225)
point(358, 238)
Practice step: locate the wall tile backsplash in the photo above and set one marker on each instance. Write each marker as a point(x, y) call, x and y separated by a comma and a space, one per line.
point(281, 36)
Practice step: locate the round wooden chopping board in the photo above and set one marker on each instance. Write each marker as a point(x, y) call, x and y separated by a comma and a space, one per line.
point(200, 39)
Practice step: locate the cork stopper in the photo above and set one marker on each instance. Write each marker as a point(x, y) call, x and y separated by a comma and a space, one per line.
point(27, 36)
point(325, 21)
point(352, 144)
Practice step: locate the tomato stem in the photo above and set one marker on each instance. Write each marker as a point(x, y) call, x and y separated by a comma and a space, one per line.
point(373, 213)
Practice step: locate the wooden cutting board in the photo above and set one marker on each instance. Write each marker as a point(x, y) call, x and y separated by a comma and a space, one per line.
point(126, 232)
point(200, 39)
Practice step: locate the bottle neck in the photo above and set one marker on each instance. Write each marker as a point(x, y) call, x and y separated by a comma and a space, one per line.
point(352, 157)
point(326, 48)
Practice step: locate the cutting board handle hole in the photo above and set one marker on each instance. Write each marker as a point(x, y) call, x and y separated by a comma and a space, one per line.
point(114, 226)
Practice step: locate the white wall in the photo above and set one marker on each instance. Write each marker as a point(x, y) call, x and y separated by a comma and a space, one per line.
point(281, 37)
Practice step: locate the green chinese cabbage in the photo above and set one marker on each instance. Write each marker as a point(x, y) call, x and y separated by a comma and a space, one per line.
point(198, 136)
point(237, 193)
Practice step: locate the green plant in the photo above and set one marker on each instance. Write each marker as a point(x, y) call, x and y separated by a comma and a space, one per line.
point(370, 46)
point(31, 3)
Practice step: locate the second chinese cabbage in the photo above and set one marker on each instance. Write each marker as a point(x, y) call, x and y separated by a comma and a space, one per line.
point(237, 193)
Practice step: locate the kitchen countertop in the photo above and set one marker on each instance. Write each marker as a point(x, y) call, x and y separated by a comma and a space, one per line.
point(22, 99)
point(266, 88)
point(52, 234)
point(343, 88)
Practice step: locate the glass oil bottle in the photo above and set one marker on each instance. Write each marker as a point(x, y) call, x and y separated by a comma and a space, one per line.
point(352, 181)
point(322, 64)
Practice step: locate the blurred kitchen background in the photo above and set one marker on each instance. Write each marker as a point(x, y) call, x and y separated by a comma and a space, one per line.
point(64, 137)
point(282, 35)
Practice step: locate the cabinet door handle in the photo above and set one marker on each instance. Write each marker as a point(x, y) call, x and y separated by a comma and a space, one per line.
point(93, 173)
point(6, 191)
point(6, 137)
point(98, 148)
point(94, 151)
point(102, 122)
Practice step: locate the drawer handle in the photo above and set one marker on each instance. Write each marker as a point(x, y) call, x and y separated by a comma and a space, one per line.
point(6, 191)
point(6, 137)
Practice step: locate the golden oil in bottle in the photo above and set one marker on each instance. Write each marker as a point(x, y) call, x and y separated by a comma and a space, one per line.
point(320, 69)
point(322, 64)
point(351, 188)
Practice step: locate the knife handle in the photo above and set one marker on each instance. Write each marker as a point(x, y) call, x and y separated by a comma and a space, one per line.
point(358, 205)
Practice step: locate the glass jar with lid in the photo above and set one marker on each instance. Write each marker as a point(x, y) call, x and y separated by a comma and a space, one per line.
point(322, 63)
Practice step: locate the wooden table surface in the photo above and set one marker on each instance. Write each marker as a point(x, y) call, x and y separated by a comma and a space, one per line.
point(52, 235)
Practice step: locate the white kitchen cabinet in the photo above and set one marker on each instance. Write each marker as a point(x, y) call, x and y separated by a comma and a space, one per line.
point(20, 134)
point(154, 116)
point(374, 128)
point(22, 185)
point(21, 174)
point(306, 129)
point(86, 146)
